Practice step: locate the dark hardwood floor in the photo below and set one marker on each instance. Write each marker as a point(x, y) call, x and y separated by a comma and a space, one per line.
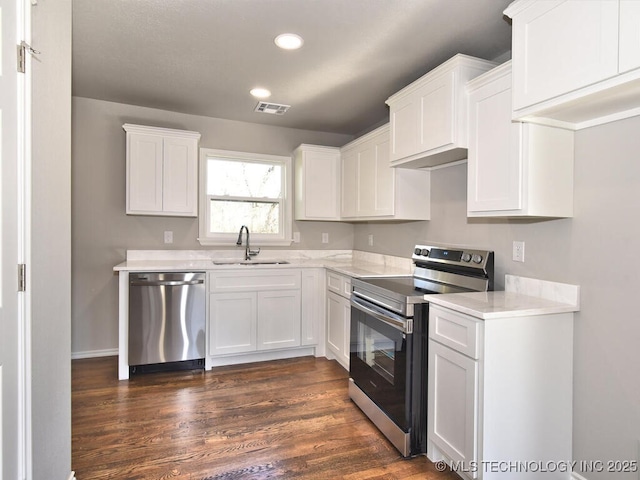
point(281, 419)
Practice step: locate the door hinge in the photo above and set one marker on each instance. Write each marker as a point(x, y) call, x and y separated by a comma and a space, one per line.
point(23, 49)
point(22, 277)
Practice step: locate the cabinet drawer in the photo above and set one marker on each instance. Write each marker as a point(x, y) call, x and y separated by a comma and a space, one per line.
point(457, 331)
point(240, 281)
point(339, 284)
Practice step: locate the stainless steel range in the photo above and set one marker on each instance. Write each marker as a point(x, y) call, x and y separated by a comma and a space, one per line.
point(389, 330)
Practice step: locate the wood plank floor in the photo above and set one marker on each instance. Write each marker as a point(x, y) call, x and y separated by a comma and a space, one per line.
point(281, 419)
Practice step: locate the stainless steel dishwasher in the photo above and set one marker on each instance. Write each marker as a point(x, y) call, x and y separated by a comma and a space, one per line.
point(166, 321)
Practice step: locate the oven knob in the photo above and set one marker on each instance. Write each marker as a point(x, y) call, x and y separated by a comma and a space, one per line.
point(417, 251)
point(477, 258)
point(425, 252)
point(466, 257)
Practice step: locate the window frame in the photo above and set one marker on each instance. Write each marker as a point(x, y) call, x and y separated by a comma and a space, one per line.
point(257, 239)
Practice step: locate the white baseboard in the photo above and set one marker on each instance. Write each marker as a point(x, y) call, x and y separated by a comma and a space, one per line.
point(262, 356)
point(72, 476)
point(109, 352)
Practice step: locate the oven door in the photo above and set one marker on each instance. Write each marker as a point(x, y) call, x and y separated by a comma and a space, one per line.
point(380, 359)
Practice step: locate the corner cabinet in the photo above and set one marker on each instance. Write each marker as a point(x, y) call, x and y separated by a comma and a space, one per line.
point(162, 171)
point(373, 190)
point(429, 117)
point(317, 183)
point(575, 63)
point(514, 169)
point(500, 390)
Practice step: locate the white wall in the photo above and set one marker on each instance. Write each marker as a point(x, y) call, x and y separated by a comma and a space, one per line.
point(597, 249)
point(102, 232)
point(49, 285)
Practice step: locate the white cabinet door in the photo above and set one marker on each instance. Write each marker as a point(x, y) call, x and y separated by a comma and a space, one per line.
point(629, 35)
point(559, 47)
point(312, 302)
point(180, 179)
point(452, 421)
point(232, 322)
point(338, 327)
point(317, 175)
point(385, 179)
point(144, 173)
point(495, 163)
point(349, 184)
point(405, 127)
point(366, 188)
point(437, 107)
point(278, 319)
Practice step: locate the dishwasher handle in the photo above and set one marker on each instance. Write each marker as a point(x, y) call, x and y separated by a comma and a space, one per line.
point(164, 283)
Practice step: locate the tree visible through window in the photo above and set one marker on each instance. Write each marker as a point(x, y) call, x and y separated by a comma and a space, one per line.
point(248, 190)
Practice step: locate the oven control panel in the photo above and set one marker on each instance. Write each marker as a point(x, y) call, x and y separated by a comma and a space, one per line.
point(451, 256)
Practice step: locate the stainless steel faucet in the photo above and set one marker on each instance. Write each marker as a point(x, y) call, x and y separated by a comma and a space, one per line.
point(248, 253)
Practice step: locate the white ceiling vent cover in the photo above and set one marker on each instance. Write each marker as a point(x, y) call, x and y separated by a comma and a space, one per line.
point(272, 108)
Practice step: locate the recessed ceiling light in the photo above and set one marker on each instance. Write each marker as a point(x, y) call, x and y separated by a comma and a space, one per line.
point(260, 92)
point(289, 41)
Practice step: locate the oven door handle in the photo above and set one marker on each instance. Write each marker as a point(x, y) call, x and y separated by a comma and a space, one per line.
point(403, 324)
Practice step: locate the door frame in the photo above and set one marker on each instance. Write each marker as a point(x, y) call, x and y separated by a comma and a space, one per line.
point(15, 386)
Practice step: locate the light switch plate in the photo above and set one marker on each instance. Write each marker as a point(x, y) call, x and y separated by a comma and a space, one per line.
point(296, 237)
point(371, 240)
point(325, 238)
point(168, 236)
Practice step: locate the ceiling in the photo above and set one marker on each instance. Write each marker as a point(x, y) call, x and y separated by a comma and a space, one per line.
point(203, 56)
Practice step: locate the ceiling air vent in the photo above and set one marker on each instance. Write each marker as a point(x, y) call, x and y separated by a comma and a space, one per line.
point(273, 108)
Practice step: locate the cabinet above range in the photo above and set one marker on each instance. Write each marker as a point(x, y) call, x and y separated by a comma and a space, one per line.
point(429, 117)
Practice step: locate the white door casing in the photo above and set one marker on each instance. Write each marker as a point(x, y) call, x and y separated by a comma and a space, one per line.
point(14, 163)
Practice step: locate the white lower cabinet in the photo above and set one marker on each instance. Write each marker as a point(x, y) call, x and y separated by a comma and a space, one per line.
point(233, 320)
point(338, 317)
point(500, 394)
point(455, 397)
point(253, 311)
point(278, 319)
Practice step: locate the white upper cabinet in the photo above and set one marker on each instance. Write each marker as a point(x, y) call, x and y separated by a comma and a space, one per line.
point(575, 63)
point(317, 183)
point(162, 171)
point(514, 169)
point(429, 117)
point(372, 189)
point(629, 35)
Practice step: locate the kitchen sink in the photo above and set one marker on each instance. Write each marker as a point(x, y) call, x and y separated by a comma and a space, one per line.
point(250, 262)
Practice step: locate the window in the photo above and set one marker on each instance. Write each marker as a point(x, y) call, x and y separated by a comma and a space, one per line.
point(244, 189)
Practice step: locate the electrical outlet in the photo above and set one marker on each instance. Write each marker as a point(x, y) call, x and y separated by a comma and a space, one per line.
point(518, 251)
point(296, 237)
point(371, 240)
point(325, 238)
point(168, 236)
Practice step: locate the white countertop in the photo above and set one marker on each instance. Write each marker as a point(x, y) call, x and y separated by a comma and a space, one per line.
point(358, 265)
point(523, 297)
point(491, 305)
